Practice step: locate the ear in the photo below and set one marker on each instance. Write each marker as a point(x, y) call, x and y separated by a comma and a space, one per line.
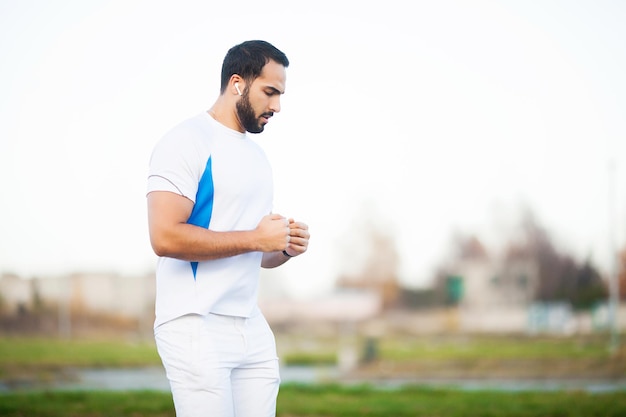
point(236, 84)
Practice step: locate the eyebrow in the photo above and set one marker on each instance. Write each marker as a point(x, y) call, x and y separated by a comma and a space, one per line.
point(274, 89)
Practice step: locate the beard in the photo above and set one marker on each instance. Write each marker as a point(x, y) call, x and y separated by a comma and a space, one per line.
point(247, 118)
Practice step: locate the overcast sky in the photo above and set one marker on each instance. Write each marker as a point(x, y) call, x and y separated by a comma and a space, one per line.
point(425, 117)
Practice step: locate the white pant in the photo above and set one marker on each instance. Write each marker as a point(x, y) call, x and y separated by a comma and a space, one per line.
point(220, 366)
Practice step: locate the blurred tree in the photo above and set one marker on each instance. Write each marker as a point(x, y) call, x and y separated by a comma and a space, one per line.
point(588, 287)
point(560, 276)
point(532, 268)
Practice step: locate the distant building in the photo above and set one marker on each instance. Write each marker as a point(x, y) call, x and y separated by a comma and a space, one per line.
point(15, 293)
point(113, 294)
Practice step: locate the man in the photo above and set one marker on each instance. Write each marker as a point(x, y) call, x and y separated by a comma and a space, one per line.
point(210, 194)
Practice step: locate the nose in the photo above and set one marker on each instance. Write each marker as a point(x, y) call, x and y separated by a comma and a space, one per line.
point(275, 104)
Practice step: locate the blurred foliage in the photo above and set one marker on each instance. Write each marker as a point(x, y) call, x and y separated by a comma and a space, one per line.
point(561, 276)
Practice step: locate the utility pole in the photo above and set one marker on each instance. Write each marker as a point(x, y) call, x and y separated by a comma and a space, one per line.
point(64, 313)
point(614, 274)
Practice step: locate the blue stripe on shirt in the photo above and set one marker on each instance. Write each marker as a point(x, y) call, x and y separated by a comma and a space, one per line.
point(203, 208)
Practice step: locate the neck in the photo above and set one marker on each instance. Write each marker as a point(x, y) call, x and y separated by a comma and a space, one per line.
point(226, 114)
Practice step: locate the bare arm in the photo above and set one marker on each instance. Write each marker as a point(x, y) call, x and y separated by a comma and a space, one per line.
point(171, 236)
point(298, 244)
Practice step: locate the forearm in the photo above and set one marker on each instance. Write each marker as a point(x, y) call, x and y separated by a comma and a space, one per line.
point(172, 236)
point(192, 243)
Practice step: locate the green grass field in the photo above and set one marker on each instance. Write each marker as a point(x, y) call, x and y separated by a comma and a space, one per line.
point(398, 356)
point(476, 356)
point(331, 401)
point(38, 352)
point(36, 358)
point(24, 352)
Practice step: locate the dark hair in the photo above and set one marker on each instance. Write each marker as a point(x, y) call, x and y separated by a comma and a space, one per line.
point(248, 59)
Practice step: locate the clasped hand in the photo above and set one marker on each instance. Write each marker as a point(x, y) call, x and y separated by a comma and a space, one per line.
point(278, 233)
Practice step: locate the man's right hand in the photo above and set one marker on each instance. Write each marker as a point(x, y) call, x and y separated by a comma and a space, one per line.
point(273, 233)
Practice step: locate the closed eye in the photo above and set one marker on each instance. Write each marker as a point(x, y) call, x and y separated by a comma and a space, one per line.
point(272, 91)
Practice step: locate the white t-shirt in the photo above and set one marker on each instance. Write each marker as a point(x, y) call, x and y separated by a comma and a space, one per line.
point(229, 179)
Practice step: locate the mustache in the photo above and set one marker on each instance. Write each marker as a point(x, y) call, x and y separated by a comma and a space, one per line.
point(268, 115)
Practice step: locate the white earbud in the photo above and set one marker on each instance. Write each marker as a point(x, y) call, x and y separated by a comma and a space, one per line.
point(237, 88)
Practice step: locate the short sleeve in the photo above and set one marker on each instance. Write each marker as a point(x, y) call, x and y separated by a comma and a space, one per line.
point(174, 164)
